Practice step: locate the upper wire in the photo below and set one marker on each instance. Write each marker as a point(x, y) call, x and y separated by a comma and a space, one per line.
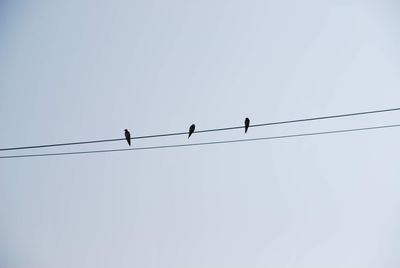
point(201, 131)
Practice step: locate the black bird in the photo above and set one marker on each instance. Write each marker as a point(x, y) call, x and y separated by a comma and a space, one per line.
point(191, 130)
point(246, 124)
point(128, 137)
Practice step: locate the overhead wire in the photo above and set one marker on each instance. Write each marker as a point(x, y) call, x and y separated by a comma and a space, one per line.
point(203, 143)
point(201, 131)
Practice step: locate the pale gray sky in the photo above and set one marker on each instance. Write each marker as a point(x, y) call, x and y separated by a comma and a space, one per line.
point(77, 70)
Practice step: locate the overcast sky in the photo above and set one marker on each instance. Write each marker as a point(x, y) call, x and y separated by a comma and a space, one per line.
point(81, 69)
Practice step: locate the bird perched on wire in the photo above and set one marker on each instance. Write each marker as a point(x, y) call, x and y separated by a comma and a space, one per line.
point(128, 137)
point(191, 130)
point(246, 124)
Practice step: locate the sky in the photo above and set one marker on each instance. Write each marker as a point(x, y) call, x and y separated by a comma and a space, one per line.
point(81, 70)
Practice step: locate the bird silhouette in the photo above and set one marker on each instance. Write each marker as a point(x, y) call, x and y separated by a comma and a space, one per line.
point(128, 137)
point(191, 130)
point(246, 124)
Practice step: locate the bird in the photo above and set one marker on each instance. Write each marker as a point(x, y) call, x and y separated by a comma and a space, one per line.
point(128, 137)
point(191, 130)
point(246, 124)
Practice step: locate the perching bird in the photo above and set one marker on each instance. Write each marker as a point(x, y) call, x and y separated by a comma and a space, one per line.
point(246, 124)
point(191, 130)
point(128, 137)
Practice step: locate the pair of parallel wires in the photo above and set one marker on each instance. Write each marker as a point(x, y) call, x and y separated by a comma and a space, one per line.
point(198, 132)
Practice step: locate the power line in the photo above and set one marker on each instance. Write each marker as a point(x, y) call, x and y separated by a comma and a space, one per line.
point(203, 143)
point(201, 131)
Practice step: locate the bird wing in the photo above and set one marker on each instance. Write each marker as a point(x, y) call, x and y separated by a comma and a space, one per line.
point(246, 125)
point(128, 137)
point(191, 130)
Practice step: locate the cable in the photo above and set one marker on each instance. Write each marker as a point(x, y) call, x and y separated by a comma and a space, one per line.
point(201, 131)
point(203, 143)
